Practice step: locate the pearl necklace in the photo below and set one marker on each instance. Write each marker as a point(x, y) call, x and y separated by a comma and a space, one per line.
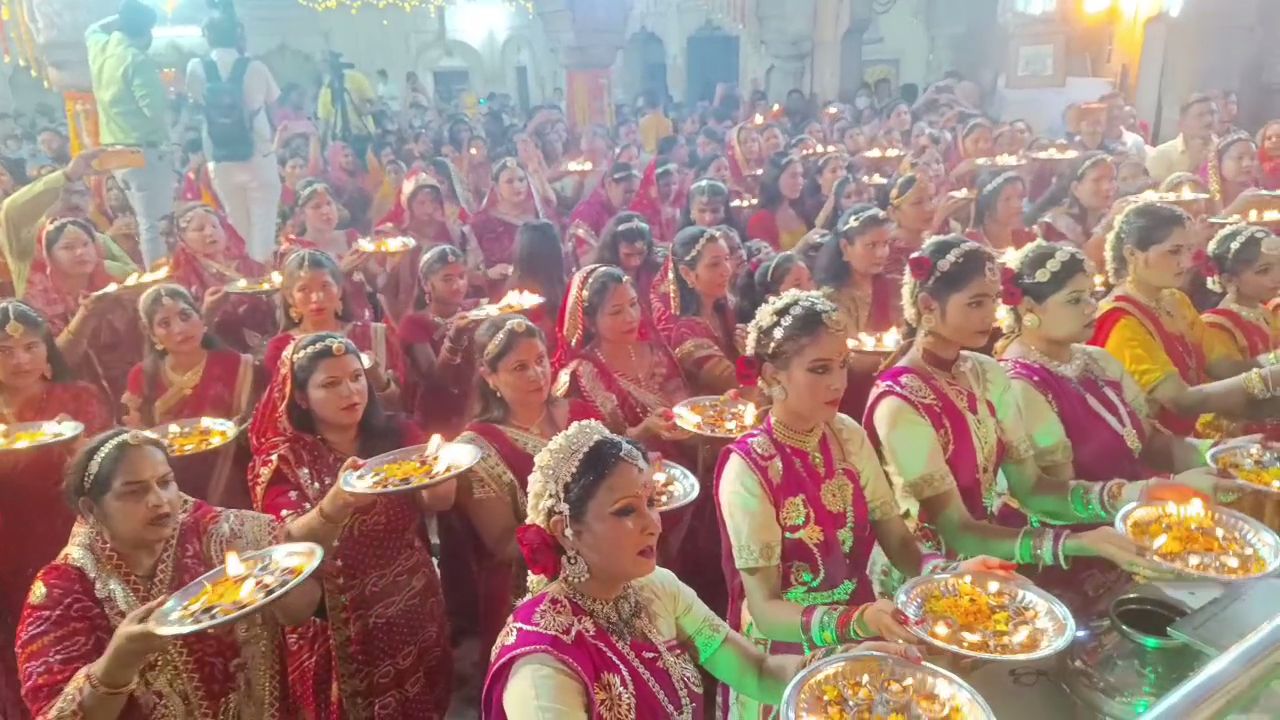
point(1079, 364)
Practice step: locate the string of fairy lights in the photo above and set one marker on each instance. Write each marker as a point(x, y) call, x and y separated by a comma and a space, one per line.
point(432, 6)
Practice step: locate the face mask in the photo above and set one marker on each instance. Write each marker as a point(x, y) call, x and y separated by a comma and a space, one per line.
point(862, 102)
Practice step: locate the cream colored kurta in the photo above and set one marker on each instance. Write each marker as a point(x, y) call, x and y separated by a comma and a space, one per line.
point(542, 688)
point(914, 453)
point(751, 519)
point(1045, 430)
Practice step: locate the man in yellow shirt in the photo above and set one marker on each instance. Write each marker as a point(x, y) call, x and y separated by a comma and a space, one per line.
point(1187, 152)
point(352, 120)
point(655, 125)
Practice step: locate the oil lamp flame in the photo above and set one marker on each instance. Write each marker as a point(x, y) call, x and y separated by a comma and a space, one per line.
point(433, 445)
point(235, 568)
point(174, 429)
point(247, 590)
point(749, 415)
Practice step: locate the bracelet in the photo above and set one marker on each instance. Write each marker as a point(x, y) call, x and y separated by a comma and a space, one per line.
point(930, 563)
point(95, 684)
point(1112, 494)
point(1019, 553)
point(1075, 496)
point(324, 517)
point(1258, 384)
point(1060, 548)
point(806, 623)
point(845, 629)
point(826, 632)
point(1042, 547)
point(1095, 501)
point(860, 625)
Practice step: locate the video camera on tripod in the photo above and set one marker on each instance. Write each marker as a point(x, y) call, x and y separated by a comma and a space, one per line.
point(343, 103)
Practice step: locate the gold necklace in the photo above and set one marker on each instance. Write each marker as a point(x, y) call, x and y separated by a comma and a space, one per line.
point(804, 440)
point(981, 421)
point(535, 427)
point(1080, 364)
point(621, 617)
point(185, 382)
point(1255, 315)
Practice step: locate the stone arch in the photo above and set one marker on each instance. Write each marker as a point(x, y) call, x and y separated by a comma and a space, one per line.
point(644, 64)
point(521, 70)
point(446, 61)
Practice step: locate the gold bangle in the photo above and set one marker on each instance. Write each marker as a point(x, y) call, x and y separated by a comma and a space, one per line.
point(95, 684)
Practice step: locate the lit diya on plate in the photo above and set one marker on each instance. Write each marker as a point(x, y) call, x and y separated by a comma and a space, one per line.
point(963, 194)
point(195, 435)
point(877, 343)
point(27, 435)
point(1253, 217)
point(386, 245)
point(1255, 463)
point(411, 468)
point(1003, 160)
point(675, 486)
point(513, 302)
point(716, 416)
point(1196, 539)
point(135, 281)
point(1186, 195)
point(985, 615)
point(579, 166)
point(244, 585)
point(744, 202)
point(1054, 154)
point(875, 180)
point(866, 685)
point(257, 286)
point(882, 154)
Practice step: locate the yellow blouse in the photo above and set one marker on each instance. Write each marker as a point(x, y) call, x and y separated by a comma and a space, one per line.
point(1234, 347)
point(542, 688)
point(1142, 354)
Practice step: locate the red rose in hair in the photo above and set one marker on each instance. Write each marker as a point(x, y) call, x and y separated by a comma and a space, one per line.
point(540, 549)
point(1010, 293)
point(747, 371)
point(920, 266)
point(1205, 263)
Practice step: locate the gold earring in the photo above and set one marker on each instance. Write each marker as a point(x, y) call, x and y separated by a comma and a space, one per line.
point(339, 313)
point(296, 314)
point(1031, 321)
point(574, 569)
point(48, 372)
point(926, 322)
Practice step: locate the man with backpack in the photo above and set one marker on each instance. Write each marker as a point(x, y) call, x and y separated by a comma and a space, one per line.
point(235, 92)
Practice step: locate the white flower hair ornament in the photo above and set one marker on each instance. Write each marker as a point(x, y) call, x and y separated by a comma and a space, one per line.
point(769, 327)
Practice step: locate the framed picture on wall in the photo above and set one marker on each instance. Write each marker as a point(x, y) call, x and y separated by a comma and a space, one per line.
point(1037, 60)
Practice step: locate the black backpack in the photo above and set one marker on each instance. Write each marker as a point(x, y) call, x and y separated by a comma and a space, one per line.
point(230, 127)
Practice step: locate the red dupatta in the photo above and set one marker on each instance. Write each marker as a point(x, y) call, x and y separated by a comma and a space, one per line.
point(1187, 357)
point(44, 291)
point(382, 652)
point(1252, 339)
point(661, 216)
point(77, 602)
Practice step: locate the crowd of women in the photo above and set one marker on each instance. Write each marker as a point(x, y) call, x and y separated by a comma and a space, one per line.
point(740, 263)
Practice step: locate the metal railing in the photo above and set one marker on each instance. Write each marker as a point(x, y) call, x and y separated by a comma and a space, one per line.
point(1226, 681)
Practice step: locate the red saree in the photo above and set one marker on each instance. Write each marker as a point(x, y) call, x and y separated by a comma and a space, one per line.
point(1251, 338)
point(1187, 357)
point(230, 673)
point(383, 650)
point(34, 517)
point(439, 401)
point(225, 390)
point(115, 342)
point(244, 321)
point(503, 472)
point(662, 215)
point(381, 341)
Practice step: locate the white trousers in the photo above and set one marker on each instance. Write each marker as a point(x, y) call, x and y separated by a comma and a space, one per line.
point(250, 194)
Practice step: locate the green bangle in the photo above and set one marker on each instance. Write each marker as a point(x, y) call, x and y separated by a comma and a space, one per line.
point(860, 624)
point(1075, 495)
point(827, 635)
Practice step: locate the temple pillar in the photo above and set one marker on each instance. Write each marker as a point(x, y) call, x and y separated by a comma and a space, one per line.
point(831, 17)
point(587, 36)
point(788, 43)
